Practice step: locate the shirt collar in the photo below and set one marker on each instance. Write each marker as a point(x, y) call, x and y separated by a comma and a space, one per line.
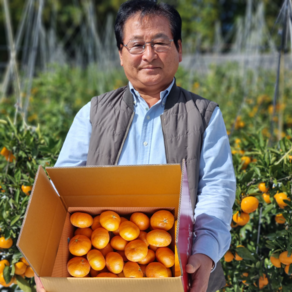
point(163, 94)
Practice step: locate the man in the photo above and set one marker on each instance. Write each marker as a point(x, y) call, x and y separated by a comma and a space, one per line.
point(152, 121)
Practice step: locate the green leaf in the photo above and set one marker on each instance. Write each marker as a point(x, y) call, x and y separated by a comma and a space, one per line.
point(267, 209)
point(7, 274)
point(14, 220)
point(17, 193)
point(247, 177)
point(290, 270)
point(23, 284)
point(245, 254)
point(270, 244)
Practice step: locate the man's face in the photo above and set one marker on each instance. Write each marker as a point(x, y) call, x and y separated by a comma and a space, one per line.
point(149, 71)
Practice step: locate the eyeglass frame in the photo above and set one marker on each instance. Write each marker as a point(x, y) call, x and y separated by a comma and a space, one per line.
point(145, 43)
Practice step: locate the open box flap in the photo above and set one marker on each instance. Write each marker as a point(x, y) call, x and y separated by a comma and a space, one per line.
point(184, 238)
point(40, 234)
point(118, 186)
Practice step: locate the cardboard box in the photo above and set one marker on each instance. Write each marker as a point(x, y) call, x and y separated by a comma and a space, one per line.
point(46, 229)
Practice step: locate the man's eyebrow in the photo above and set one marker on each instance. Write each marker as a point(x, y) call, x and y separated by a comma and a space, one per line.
point(158, 35)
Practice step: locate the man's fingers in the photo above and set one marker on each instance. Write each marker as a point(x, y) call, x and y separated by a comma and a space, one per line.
point(39, 285)
point(199, 281)
point(192, 264)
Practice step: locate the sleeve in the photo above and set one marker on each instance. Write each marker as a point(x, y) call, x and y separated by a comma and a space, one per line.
point(75, 148)
point(216, 192)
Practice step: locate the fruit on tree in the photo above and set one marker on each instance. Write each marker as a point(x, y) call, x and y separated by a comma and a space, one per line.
point(280, 197)
point(284, 259)
point(20, 268)
point(275, 261)
point(280, 219)
point(26, 189)
point(240, 218)
point(262, 187)
point(5, 243)
point(249, 204)
point(228, 257)
point(266, 198)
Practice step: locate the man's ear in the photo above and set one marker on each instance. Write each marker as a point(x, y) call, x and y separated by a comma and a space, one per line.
point(179, 50)
point(121, 57)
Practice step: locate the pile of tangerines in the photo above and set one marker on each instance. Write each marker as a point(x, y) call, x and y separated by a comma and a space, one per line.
point(112, 246)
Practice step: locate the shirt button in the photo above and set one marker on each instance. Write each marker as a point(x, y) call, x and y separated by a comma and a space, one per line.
point(148, 117)
point(145, 143)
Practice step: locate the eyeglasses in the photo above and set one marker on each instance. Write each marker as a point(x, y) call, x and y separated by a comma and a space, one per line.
point(137, 47)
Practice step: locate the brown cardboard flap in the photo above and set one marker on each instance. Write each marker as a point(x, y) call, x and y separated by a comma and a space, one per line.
point(112, 180)
point(42, 227)
point(113, 284)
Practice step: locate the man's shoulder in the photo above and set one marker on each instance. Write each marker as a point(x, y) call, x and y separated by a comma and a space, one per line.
point(200, 102)
point(107, 95)
point(205, 106)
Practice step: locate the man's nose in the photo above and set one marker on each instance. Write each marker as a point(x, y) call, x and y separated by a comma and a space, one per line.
point(149, 52)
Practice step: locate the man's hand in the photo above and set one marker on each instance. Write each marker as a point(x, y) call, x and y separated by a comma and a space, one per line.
point(39, 285)
point(200, 266)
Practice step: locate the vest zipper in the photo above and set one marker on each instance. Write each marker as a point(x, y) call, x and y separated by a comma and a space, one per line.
point(165, 144)
point(125, 137)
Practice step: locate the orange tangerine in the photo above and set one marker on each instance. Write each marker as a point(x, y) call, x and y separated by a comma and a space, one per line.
point(107, 275)
point(141, 220)
point(129, 230)
point(275, 261)
point(114, 262)
point(118, 243)
point(79, 245)
point(84, 231)
point(136, 250)
point(96, 259)
point(132, 270)
point(150, 257)
point(162, 219)
point(100, 238)
point(110, 220)
point(81, 219)
point(165, 256)
point(117, 232)
point(160, 238)
point(95, 223)
point(156, 270)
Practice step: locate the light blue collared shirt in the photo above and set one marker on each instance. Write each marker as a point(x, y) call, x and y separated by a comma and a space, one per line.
point(145, 145)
